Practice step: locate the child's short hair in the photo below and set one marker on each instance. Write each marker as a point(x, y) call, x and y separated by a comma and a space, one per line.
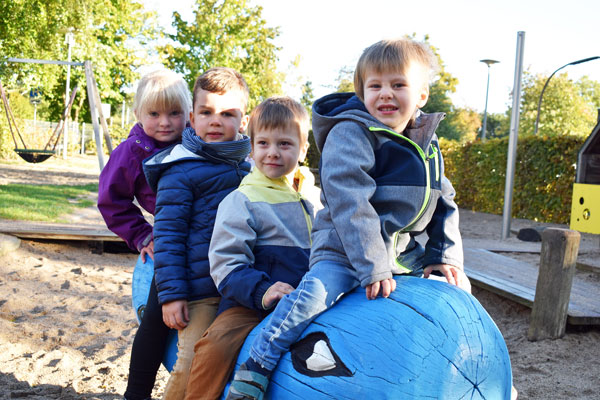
point(279, 112)
point(162, 90)
point(392, 55)
point(220, 80)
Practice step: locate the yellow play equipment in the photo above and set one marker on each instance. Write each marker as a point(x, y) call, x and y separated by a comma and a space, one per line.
point(585, 208)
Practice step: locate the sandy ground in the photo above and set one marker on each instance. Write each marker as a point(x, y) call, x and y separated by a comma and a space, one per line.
point(66, 323)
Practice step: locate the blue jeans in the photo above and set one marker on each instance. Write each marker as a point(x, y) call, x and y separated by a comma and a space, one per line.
point(321, 287)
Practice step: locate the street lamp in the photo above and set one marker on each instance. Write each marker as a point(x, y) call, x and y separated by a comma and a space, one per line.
point(537, 118)
point(488, 63)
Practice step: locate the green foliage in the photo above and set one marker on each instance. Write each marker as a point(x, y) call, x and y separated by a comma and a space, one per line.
point(312, 155)
point(568, 107)
point(19, 106)
point(110, 33)
point(345, 80)
point(6, 143)
point(498, 125)
point(118, 134)
point(227, 34)
point(308, 96)
point(544, 175)
point(46, 203)
point(467, 122)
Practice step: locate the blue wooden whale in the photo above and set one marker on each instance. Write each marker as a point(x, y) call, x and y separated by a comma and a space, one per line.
point(428, 340)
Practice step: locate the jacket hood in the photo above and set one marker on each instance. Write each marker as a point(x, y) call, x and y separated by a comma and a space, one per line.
point(333, 108)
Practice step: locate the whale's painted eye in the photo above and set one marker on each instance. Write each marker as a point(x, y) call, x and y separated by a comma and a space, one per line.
point(321, 358)
point(313, 356)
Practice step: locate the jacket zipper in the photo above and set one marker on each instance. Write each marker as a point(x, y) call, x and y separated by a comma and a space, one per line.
point(437, 161)
point(425, 160)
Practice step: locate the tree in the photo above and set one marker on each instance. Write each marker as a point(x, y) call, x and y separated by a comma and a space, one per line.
point(228, 34)
point(110, 33)
point(345, 80)
point(313, 154)
point(568, 107)
point(308, 96)
point(467, 122)
point(498, 125)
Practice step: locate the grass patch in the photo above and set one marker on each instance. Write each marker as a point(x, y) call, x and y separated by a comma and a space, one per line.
point(44, 203)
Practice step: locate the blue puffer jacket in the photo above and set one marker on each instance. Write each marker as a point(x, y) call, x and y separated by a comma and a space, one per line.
point(190, 180)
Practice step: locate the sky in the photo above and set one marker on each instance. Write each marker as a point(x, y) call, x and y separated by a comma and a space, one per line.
point(331, 34)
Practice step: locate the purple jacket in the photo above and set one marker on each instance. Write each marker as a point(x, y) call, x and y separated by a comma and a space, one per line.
point(122, 180)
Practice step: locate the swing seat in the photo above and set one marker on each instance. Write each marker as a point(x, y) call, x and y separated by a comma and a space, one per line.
point(34, 156)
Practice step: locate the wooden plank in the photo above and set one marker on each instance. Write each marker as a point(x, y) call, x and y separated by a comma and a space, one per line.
point(31, 230)
point(517, 280)
point(503, 245)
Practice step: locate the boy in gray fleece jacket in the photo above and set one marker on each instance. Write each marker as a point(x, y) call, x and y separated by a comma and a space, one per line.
point(382, 184)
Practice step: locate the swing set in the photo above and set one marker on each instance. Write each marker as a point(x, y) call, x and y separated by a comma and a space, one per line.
point(39, 155)
point(35, 155)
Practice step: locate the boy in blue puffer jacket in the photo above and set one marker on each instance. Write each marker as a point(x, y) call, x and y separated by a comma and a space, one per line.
point(190, 180)
point(382, 183)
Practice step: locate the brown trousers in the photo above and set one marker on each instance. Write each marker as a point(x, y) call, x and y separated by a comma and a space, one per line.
point(202, 314)
point(216, 353)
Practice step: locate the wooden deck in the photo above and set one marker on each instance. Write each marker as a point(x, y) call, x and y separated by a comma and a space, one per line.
point(516, 280)
point(39, 230)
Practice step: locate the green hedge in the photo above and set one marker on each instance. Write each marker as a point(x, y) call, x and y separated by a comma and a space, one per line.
point(544, 176)
point(6, 142)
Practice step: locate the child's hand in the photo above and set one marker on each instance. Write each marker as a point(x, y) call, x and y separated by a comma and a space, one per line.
point(454, 275)
point(386, 286)
point(175, 314)
point(149, 249)
point(274, 293)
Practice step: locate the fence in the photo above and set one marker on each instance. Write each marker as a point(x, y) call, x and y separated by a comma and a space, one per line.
point(79, 136)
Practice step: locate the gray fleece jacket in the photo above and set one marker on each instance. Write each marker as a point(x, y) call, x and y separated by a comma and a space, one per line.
point(381, 189)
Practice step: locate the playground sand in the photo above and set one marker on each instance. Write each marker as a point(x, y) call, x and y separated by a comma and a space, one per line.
point(66, 324)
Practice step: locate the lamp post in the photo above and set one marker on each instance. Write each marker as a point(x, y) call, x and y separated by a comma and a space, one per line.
point(488, 63)
point(537, 118)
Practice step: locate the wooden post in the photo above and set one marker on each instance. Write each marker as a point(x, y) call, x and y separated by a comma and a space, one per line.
point(553, 289)
point(98, 101)
point(94, 112)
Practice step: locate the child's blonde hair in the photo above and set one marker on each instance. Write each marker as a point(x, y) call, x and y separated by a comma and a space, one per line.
point(162, 90)
point(220, 80)
point(279, 112)
point(393, 55)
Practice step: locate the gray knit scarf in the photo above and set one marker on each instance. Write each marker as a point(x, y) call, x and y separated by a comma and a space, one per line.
point(236, 150)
